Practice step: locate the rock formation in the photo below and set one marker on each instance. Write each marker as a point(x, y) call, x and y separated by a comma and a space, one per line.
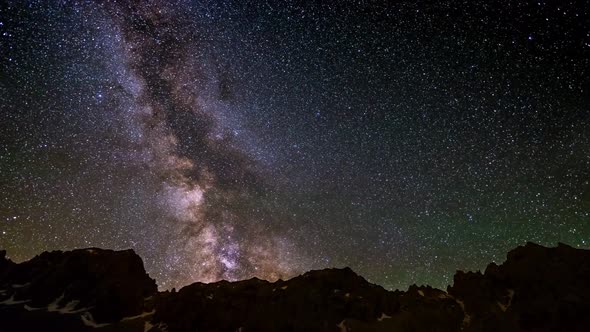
point(536, 289)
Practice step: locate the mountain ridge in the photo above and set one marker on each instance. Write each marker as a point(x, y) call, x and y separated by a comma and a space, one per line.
point(93, 289)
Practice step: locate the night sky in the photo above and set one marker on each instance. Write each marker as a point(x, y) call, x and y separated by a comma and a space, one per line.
point(231, 139)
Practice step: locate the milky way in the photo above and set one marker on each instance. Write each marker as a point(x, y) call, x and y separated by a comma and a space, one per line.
point(229, 139)
point(204, 181)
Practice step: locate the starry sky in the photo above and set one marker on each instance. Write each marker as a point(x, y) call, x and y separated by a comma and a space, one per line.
point(230, 139)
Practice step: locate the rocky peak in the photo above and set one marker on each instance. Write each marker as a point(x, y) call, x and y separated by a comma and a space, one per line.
point(535, 289)
point(112, 283)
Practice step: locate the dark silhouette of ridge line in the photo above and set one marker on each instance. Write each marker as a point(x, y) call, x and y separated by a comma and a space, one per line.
point(535, 289)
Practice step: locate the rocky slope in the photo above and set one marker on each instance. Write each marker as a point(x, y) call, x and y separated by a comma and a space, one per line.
point(536, 289)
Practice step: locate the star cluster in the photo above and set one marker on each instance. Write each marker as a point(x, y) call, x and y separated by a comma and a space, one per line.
point(231, 139)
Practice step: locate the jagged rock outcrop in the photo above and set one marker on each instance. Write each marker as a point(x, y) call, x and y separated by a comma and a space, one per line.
point(106, 284)
point(536, 289)
point(324, 300)
point(6, 265)
point(317, 300)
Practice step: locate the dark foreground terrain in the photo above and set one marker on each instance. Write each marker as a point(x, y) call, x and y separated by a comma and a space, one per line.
point(536, 289)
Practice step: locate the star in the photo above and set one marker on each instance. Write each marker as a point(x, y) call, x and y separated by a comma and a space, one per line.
point(405, 140)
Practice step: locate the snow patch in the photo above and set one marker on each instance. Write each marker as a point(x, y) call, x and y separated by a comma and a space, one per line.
point(284, 287)
point(142, 315)
point(147, 326)
point(11, 301)
point(29, 308)
point(420, 292)
point(383, 316)
point(70, 307)
point(20, 285)
point(342, 326)
point(54, 306)
point(88, 320)
point(210, 296)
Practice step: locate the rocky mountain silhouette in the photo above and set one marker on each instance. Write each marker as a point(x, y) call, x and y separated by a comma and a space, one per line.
point(536, 289)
